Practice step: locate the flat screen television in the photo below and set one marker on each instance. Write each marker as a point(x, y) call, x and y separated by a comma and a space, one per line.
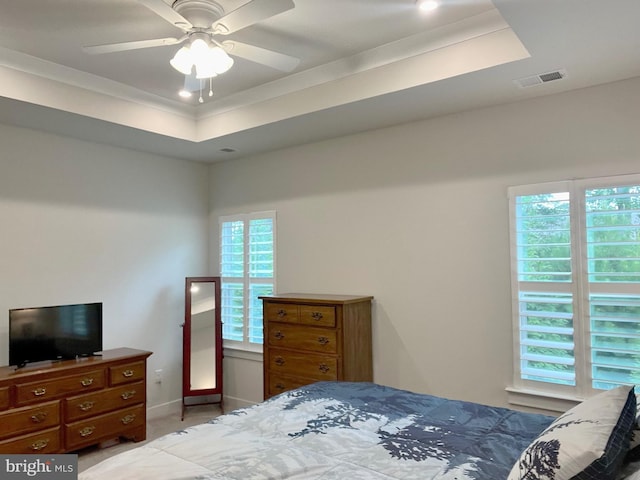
point(54, 333)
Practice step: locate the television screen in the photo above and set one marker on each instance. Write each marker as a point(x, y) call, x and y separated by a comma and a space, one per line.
point(53, 333)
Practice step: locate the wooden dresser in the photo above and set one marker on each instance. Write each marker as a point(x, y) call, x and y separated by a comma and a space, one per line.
point(315, 337)
point(67, 405)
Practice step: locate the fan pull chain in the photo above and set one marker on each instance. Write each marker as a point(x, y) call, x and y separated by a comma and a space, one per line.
point(211, 86)
point(201, 100)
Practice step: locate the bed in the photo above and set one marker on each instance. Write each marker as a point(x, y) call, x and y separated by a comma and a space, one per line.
point(358, 431)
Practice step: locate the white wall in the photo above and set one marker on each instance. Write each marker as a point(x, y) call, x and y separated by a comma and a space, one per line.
point(416, 215)
point(82, 222)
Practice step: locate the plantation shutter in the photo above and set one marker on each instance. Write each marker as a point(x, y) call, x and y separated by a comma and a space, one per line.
point(247, 266)
point(613, 274)
point(544, 276)
point(575, 250)
point(260, 266)
point(232, 272)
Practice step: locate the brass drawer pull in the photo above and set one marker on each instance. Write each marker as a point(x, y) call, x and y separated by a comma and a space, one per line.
point(127, 373)
point(279, 335)
point(86, 406)
point(39, 444)
point(279, 361)
point(85, 382)
point(279, 386)
point(282, 313)
point(323, 367)
point(39, 391)
point(323, 340)
point(316, 316)
point(128, 394)
point(38, 417)
point(86, 431)
point(127, 419)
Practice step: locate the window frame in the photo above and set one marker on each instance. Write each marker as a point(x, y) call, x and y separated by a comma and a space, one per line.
point(246, 280)
point(580, 287)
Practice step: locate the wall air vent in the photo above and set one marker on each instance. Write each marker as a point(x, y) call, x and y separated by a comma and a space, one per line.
point(540, 78)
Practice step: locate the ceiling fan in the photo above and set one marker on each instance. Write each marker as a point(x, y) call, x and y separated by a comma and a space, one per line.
point(202, 21)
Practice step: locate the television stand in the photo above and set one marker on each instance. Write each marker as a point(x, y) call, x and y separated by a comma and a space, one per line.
point(67, 405)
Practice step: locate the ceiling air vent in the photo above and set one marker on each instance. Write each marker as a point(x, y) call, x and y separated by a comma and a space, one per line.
point(227, 150)
point(540, 78)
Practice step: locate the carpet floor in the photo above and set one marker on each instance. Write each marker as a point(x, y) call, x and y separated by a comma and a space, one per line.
point(156, 427)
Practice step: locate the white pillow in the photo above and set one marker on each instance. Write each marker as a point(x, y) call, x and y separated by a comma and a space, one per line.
point(587, 442)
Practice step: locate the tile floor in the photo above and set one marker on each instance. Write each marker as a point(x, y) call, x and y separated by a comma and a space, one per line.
point(155, 428)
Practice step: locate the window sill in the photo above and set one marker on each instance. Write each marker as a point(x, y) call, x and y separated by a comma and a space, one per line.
point(549, 402)
point(235, 352)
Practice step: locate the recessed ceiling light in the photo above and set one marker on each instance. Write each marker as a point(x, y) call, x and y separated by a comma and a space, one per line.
point(184, 93)
point(427, 5)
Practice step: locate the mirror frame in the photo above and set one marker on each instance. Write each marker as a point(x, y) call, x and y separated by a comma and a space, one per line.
point(187, 391)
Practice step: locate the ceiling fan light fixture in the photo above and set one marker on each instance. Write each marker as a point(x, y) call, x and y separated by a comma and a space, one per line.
point(205, 70)
point(209, 60)
point(199, 49)
point(182, 61)
point(213, 63)
point(427, 5)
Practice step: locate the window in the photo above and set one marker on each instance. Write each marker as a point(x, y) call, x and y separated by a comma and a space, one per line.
point(575, 249)
point(247, 266)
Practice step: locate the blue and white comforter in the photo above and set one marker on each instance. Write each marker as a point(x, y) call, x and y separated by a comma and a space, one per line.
point(338, 431)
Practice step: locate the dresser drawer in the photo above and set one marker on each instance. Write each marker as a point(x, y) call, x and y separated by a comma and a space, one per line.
point(280, 383)
point(83, 406)
point(317, 315)
point(27, 393)
point(311, 337)
point(281, 312)
point(130, 372)
point(319, 367)
point(28, 419)
point(92, 430)
point(4, 398)
point(298, 337)
point(46, 441)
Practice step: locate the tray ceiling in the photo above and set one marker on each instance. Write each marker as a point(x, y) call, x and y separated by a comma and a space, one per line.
point(364, 64)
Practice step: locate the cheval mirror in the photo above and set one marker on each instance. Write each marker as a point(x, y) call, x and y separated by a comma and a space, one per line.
point(202, 343)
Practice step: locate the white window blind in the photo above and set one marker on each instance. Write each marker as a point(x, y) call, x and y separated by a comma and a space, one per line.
point(575, 249)
point(247, 266)
point(612, 225)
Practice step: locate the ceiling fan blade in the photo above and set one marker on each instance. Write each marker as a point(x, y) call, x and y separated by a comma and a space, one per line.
point(121, 47)
point(250, 13)
point(168, 13)
point(272, 59)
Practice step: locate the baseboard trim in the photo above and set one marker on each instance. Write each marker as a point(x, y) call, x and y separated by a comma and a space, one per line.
point(173, 407)
point(233, 403)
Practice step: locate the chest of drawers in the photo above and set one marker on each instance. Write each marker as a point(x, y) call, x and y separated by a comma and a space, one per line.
point(68, 405)
point(310, 337)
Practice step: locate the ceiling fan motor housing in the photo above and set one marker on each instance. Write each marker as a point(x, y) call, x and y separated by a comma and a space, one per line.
point(201, 13)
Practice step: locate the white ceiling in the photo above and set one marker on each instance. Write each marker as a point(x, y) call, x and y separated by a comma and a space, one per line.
point(364, 64)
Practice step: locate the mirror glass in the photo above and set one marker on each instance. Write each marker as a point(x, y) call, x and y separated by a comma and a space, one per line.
point(203, 336)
